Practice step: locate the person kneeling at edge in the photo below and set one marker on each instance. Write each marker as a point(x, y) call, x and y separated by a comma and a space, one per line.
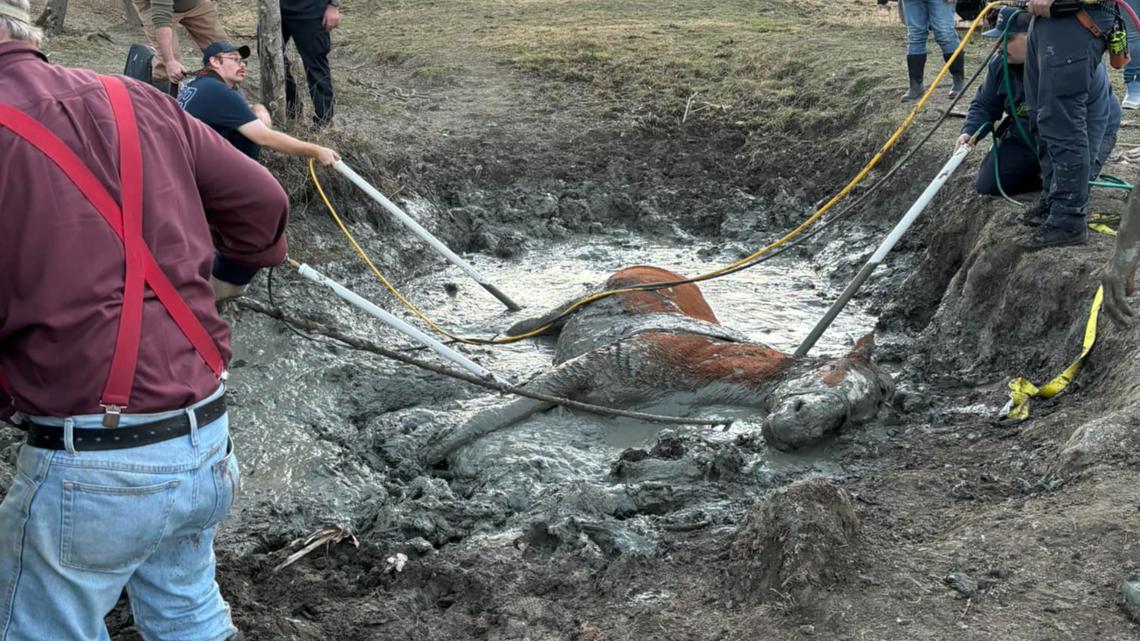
point(213, 98)
point(1015, 150)
point(1120, 272)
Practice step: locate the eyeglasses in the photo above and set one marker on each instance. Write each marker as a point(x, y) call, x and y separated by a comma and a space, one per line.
point(237, 59)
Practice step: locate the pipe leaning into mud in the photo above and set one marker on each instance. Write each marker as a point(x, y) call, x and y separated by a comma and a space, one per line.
point(398, 324)
point(885, 248)
point(411, 224)
point(503, 387)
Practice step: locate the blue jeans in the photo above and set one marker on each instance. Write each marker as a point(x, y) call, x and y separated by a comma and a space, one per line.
point(1132, 71)
point(929, 15)
point(76, 528)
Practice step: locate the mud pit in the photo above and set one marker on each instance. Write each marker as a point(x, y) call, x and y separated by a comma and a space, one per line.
point(684, 136)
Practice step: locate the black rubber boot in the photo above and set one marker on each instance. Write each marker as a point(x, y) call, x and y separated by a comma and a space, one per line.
point(958, 74)
point(1047, 236)
point(915, 63)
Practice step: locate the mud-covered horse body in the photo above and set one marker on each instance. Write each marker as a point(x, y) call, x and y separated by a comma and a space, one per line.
point(640, 347)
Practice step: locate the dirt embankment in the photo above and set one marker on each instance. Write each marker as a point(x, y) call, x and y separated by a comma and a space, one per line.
point(514, 126)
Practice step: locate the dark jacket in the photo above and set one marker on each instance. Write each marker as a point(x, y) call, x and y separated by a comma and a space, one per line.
point(990, 103)
point(63, 265)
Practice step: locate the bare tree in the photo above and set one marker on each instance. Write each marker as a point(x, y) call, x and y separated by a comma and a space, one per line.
point(271, 56)
point(51, 20)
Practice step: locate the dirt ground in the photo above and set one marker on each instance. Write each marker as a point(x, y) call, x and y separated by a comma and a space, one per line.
point(526, 124)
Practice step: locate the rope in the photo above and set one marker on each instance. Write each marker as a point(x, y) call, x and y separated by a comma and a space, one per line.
point(744, 263)
point(368, 346)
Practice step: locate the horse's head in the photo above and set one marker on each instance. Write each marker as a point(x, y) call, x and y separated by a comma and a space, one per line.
point(826, 398)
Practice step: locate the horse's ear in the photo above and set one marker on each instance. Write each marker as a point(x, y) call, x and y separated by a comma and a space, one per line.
point(864, 348)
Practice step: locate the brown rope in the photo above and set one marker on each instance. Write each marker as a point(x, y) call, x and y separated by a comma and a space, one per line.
point(369, 346)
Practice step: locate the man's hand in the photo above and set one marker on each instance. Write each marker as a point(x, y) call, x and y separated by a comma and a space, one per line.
point(1039, 7)
point(331, 19)
point(326, 156)
point(964, 139)
point(262, 114)
point(176, 71)
point(225, 291)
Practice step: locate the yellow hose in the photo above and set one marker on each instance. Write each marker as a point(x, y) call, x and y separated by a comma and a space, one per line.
point(811, 220)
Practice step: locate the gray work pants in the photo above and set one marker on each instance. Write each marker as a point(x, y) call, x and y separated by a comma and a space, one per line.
point(1060, 72)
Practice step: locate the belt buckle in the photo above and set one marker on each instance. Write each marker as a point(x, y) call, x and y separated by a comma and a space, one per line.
point(111, 415)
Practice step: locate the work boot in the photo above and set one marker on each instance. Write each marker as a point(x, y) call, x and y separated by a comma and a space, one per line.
point(1047, 236)
point(1131, 95)
point(915, 63)
point(1033, 217)
point(958, 74)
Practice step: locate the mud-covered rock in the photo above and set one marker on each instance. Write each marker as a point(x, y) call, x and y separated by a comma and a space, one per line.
point(800, 539)
point(1103, 440)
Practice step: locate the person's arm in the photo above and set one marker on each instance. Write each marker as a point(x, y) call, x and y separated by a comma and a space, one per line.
point(246, 208)
point(162, 17)
point(1120, 271)
point(257, 132)
point(987, 106)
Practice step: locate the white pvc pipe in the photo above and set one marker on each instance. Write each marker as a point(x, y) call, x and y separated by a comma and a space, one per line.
point(920, 204)
point(411, 224)
point(900, 228)
point(393, 321)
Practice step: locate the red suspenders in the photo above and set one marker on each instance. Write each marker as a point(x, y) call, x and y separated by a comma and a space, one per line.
point(126, 221)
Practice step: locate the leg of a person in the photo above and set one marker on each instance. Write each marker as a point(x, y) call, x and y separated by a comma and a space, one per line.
point(1132, 71)
point(1017, 166)
point(917, 25)
point(292, 107)
point(157, 65)
point(1032, 85)
point(1103, 120)
point(942, 17)
point(174, 595)
point(1069, 55)
point(314, 44)
point(203, 24)
point(93, 519)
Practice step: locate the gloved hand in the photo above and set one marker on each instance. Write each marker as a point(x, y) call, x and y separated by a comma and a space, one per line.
point(225, 291)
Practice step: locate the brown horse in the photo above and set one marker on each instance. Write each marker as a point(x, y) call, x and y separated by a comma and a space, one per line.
point(644, 346)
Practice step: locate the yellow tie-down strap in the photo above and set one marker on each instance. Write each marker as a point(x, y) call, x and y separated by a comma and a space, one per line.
point(1021, 390)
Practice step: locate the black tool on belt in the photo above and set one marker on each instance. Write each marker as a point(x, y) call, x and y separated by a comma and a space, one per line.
point(50, 437)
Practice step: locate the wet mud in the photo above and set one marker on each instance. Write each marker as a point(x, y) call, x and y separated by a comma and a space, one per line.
point(929, 523)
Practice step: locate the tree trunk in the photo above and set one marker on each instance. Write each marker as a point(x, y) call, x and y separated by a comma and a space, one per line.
point(51, 20)
point(271, 56)
point(131, 13)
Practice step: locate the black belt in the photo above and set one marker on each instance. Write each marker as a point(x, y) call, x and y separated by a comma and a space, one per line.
point(50, 437)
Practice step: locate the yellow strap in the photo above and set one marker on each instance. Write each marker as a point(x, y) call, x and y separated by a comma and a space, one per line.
point(1021, 390)
point(1104, 229)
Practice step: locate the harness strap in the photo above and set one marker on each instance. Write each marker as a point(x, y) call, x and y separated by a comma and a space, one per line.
point(117, 391)
point(1087, 22)
point(126, 222)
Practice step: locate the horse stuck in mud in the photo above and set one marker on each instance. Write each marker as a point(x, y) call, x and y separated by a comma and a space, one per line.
point(645, 346)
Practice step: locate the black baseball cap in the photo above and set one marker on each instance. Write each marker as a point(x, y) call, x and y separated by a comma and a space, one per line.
point(217, 48)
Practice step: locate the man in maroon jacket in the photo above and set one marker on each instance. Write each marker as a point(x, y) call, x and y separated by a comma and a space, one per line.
point(111, 349)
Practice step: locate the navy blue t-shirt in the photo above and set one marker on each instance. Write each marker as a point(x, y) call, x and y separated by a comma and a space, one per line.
point(217, 104)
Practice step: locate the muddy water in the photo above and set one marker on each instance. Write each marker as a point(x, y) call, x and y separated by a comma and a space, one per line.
point(328, 434)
